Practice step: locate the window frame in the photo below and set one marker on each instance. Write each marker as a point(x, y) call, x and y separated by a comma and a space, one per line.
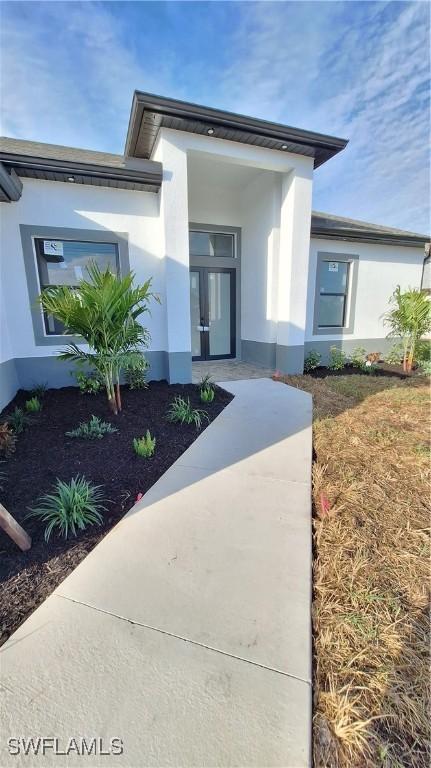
point(232, 232)
point(352, 260)
point(29, 235)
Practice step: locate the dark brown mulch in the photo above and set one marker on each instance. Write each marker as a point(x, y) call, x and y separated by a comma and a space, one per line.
point(382, 369)
point(43, 453)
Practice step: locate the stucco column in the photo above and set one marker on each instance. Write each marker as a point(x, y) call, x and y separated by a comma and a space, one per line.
point(294, 254)
point(175, 237)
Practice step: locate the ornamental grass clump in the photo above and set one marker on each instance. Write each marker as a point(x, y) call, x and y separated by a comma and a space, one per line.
point(181, 412)
point(144, 446)
point(104, 310)
point(70, 508)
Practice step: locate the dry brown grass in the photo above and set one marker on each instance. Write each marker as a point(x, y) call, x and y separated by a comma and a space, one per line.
point(371, 571)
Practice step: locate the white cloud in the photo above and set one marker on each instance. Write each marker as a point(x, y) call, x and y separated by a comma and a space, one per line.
point(358, 70)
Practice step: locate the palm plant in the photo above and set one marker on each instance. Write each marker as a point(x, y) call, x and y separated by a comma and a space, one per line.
point(104, 310)
point(410, 318)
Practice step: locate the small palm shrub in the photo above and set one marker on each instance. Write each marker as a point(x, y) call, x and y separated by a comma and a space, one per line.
point(312, 360)
point(181, 412)
point(88, 383)
point(17, 420)
point(70, 508)
point(104, 311)
point(337, 359)
point(135, 372)
point(94, 429)
point(409, 318)
point(7, 440)
point(33, 405)
point(144, 446)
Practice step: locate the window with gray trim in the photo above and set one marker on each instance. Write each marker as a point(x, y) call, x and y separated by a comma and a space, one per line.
point(65, 262)
point(336, 279)
point(79, 246)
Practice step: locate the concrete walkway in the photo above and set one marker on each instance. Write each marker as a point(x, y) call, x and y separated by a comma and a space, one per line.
point(186, 632)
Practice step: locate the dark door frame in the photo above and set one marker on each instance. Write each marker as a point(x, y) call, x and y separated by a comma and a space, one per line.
point(214, 263)
point(204, 312)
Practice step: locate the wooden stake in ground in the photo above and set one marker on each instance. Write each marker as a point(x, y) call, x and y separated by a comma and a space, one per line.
point(14, 530)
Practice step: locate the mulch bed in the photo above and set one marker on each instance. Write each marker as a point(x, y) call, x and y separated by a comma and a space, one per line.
point(382, 369)
point(43, 453)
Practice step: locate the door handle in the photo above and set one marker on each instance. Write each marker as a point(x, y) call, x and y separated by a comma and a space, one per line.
point(200, 327)
point(206, 328)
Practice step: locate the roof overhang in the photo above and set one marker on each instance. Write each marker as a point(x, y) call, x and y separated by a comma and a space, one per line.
point(10, 185)
point(367, 236)
point(146, 178)
point(149, 113)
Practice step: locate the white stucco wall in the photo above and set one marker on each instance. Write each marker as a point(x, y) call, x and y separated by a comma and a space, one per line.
point(381, 268)
point(45, 203)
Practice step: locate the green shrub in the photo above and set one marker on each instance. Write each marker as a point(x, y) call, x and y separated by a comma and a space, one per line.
point(207, 394)
point(423, 351)
point(337, 359)
point(395, 354)
point(7, 440)
point(312, 360)
point(425, 367)
point(89, 384)
point(70, 507)
point(136, 372)
point(181, 412)
point(33, 405)
point(144, 446)
point(18, 420)
point(357, 357)
point(94, 429)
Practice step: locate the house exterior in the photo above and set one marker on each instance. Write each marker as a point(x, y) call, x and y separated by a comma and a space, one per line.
point(216, 208)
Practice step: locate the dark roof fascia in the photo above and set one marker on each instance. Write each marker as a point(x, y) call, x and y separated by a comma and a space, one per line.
point(10, 185)
point(215, 117)
point(150, 176)
point(365, 236)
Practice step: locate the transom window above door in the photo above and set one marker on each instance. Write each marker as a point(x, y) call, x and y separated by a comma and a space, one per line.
point(218, 244)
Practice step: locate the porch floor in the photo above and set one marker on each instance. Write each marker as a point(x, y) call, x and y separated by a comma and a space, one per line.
point(228, 370)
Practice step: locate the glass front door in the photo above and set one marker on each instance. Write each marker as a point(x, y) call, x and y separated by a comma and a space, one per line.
point(212, 312)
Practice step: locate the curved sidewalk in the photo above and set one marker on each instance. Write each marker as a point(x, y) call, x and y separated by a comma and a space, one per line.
point(186, 632)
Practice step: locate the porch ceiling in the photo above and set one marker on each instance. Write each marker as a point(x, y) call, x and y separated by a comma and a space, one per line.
point(150, 113)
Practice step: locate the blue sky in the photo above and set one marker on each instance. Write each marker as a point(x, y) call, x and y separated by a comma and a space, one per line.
point(359, 70)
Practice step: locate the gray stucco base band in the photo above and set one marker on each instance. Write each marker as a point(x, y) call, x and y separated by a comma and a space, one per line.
point(26, 372)
point(8, 382)
point(272, 355)
point(382, 345)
